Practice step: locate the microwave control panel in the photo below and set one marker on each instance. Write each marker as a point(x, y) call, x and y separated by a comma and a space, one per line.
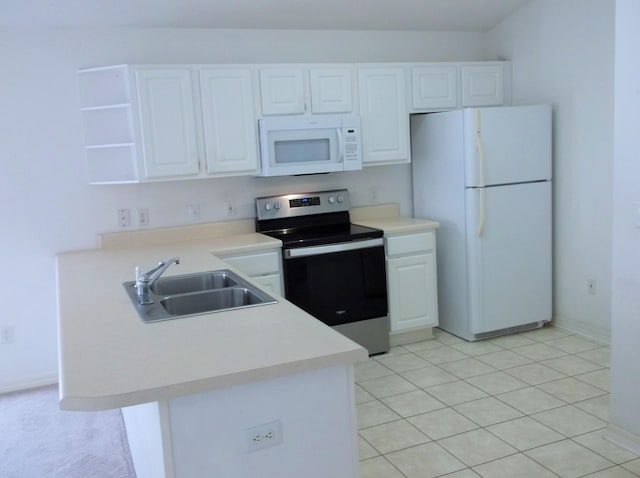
point(350, 144)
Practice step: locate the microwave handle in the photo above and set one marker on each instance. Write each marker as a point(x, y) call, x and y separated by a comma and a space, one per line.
point(340, 145)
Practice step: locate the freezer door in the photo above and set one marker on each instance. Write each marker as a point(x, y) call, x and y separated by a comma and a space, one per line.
point(509, 266)
point(515, 140)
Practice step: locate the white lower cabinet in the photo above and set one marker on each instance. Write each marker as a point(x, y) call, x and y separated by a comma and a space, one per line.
point(265, 268)
point(411, 282)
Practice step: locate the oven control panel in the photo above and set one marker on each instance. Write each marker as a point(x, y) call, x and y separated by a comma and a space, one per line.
point(303, 204)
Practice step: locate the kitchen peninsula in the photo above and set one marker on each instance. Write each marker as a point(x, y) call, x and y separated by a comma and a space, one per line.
point(195, 390)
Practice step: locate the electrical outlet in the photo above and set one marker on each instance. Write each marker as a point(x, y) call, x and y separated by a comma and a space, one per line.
point(194, 212)
point(143, 216)
point(373, 195)
point(263, 436)
point(124, 218)
point(591, 286)
point(231, 208)
point(6, 334)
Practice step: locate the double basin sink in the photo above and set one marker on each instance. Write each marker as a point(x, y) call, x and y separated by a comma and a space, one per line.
point(194, 294)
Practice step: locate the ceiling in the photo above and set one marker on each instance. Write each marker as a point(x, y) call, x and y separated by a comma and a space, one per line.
point(452, 15)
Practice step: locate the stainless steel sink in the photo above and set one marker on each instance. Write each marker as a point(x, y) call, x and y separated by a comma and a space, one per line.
point(186, 295)
point(193, 283)
point(222, 299)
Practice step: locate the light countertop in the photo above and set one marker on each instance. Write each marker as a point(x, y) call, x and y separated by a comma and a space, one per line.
point(109, 358)
point(387, 217)
point(399, 225)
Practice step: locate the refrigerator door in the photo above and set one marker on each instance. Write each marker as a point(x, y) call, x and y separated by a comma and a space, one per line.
point(515, 140)
point(509, 267)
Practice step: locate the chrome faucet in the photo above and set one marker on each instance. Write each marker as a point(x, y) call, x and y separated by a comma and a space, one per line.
point(145, 281)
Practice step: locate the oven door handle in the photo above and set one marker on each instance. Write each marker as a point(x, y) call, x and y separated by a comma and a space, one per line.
point(328, 249)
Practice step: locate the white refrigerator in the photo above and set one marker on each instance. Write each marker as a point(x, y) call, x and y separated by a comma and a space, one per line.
point(485, 175)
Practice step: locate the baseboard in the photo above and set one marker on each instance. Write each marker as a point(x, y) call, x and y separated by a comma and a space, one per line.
point(623, 438)
point(20, 385)
point(410, 337)
point(580, 328)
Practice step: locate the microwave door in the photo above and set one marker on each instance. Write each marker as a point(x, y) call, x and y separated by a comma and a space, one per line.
point(304, 152)
point(308, 145)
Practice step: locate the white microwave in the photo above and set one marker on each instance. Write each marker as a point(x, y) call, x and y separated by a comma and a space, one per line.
point(309, 145)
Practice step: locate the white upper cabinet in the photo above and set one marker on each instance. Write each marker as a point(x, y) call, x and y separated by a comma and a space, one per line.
point(107, 119)
point(434, 87)
point(282, 91)
point(171, 122)
point(482, 85)
point(302, 89)
point(384, 114)
point(228, 120)
point(331, 89)
point(167, 121)
point(445, 86)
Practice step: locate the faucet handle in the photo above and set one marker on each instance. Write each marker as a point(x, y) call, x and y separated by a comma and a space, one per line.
point(148, 277)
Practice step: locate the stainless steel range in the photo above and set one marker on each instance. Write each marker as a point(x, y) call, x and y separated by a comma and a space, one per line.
point(334, 270)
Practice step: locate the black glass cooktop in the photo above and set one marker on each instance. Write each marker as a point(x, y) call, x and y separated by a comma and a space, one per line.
point(320, 235)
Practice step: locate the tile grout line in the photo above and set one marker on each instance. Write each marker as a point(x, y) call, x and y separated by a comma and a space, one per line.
point(413, 354)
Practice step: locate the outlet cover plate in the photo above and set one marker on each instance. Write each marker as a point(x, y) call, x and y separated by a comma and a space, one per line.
point(263, 436)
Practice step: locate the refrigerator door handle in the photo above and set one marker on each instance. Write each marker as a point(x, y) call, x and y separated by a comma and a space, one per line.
point(481, 172)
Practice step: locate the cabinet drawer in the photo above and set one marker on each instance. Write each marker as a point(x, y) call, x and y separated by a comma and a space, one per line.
point(255, 264)
point(410, 243)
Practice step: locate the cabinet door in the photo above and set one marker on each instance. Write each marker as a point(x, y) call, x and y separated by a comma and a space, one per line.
point(282, 91)
point(384, 115)
point(482, 85)
point(167, 122)
point(434, 87)
point(228, 120)
point(271, 283)
point(412, 292)
point(331, 90)
point(256, 264)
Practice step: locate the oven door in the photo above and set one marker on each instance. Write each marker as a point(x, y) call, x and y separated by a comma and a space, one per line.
point(338, 283)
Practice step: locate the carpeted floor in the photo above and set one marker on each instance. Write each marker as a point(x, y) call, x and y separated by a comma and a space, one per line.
point(37, 440)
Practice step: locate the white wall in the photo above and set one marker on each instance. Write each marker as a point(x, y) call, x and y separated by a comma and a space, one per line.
point(625, 366)
point(45, 201)
point(562, 53)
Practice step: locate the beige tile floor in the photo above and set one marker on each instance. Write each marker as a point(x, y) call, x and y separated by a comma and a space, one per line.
point(533, 404)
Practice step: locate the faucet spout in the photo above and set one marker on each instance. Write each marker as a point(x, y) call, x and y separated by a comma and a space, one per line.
point(145, 281)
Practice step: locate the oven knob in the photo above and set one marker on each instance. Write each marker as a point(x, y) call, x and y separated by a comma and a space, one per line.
point(276, 205)
point(340, 199)
point(332, 199)
point(267, 207)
